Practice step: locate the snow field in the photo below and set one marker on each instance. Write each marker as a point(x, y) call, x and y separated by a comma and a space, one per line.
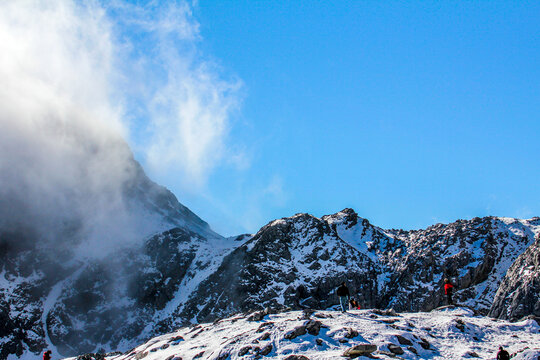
point(451, 333)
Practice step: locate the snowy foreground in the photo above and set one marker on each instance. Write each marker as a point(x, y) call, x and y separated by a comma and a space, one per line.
point(450, 333)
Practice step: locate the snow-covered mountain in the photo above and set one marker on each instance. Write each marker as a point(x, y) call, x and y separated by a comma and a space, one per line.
point(62, 286)
point(298, 261)
point(448, 333)
point(187, 274)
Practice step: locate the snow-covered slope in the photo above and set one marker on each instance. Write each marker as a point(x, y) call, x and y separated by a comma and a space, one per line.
point(451, 333)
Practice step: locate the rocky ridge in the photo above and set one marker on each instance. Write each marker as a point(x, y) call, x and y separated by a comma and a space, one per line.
point(190, 275)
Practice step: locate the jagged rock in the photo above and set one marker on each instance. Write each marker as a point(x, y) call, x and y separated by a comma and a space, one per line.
point(319, 342)
point(91, 356)
point(323, 316)
point(264, 326)
point(351, 333)
point(403, 340)
point(388, 312)
point(266, 350)
point(257, 316)
point(313, 327)
point(296, 357)
point(460, 325)
point(223, 356)
point(413, 350)
point(471, 354)
point(360, 350)
point(395, 349)
point(265, 336)
point(176, 340)
point(424, 344)
point(141, 355)
point(306, 313)
point(298, 331)
point(243, 351)
point(199, 355)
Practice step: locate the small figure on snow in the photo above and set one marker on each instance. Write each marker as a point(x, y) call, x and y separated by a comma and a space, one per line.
point(47, 355)
point(354, 305)
point(503, 354)
point(448, 287)
point(343, 294)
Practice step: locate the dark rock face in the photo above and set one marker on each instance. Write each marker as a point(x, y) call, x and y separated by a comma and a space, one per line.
point(296, 262)
point(116, 298)
point(519, 293)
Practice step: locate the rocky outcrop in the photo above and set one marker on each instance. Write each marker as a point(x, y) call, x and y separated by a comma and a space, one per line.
point(474, 254)
point(519, 293)
point(295, 262)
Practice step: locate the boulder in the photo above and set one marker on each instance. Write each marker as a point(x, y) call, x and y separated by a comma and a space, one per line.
point(403, 340)
point(313, 327)
point(351, 333)
point(360, 350)
point(395, 349)
point(243, 351)
point(266, 350)
point(298, 331)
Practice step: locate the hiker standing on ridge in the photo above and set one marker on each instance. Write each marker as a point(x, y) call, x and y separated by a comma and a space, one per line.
point(343, 293)
point(503, 354)
point(448, 287)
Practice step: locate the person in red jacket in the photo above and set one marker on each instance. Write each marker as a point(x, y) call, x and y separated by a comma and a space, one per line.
point(448, 287)
point(47, 355)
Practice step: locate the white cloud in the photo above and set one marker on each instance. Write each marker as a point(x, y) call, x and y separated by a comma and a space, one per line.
point(76, 80)
point(187, 100)
point(190, 121)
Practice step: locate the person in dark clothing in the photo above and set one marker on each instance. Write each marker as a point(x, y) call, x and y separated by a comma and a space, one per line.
point(343, 294)
point(47, 355)
point(503, 354)
point(448, 287)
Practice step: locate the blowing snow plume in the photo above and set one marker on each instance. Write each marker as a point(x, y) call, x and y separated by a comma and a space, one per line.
point(66, 172)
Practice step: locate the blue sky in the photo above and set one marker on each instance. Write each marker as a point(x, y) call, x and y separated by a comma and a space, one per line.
point(412, 113)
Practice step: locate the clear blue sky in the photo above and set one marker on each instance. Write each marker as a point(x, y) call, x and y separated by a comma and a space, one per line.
point(411, 113)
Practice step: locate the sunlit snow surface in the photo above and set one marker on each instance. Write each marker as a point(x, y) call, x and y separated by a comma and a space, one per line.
point(452, 333)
